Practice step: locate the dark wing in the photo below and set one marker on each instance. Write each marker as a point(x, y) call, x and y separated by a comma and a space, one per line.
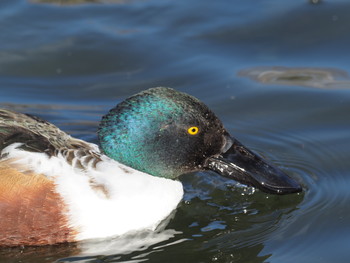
point(35, 134)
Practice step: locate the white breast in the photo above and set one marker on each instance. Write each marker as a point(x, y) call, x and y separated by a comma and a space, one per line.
point(108, 200)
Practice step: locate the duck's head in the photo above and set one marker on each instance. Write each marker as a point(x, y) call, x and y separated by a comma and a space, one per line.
point(167, 133)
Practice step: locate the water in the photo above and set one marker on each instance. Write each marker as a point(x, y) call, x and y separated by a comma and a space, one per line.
point(276, 72)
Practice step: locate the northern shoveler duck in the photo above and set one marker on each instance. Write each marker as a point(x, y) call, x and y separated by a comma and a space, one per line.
point(55, 188)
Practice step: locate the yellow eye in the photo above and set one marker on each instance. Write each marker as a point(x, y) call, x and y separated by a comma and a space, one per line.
point(193, 130)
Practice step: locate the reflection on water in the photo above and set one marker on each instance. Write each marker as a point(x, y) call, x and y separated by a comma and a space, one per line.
point(45, 254)
point(308, 77)
point(231, 219)
point(127, 246)
point(121, 248)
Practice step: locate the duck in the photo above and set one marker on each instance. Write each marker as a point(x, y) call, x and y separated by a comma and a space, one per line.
point(55, 188)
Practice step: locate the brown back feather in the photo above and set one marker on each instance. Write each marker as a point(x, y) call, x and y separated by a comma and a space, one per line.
point(37, 135)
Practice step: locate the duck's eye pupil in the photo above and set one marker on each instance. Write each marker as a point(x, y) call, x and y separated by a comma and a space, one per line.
point(193, 130)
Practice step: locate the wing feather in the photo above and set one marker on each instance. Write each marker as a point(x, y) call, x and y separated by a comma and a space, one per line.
point(35, 134)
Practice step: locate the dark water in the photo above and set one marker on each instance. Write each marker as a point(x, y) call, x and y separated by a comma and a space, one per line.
point(276, 72)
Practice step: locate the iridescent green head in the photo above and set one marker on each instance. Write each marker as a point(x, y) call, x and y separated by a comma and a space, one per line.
point(166, 133)
point(162, 132)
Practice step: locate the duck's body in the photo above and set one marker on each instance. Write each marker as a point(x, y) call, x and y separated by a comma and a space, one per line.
point(55, 188)
point(66, 190)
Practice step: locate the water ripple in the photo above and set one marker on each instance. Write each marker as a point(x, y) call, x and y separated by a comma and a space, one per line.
point(308, 77)
point(257, 218)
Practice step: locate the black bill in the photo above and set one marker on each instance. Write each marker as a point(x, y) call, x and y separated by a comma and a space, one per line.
point(239, 163)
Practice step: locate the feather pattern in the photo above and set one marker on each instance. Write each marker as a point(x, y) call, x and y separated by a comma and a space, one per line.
point(36, 135)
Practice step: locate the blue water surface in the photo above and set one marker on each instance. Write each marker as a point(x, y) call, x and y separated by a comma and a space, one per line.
point(274, 71)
